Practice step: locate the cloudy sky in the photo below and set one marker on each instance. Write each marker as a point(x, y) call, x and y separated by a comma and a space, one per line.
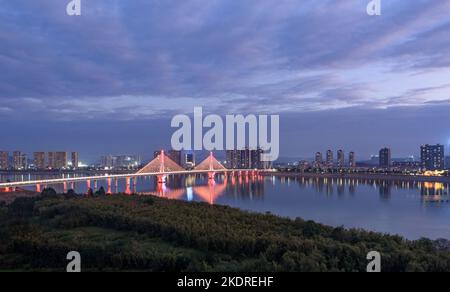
point(109, 81)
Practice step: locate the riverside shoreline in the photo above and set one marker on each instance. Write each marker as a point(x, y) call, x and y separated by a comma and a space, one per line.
point(368, 176)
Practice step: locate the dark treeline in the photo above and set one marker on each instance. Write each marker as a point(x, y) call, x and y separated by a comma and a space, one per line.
point(153, 234)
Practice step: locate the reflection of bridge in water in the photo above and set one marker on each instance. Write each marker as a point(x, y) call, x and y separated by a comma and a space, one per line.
point(243, 184)
point(162, 167)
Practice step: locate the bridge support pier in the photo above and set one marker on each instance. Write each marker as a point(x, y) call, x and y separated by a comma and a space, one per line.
point(211, 175)
point(161, 179)
point(88, 184)
point(160, 190)
point(109, 192)
point(212, 192)
point(65, 187)
point(127, 188)
point(38, 188)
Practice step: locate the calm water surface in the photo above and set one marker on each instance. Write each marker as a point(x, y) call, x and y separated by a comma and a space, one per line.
point(412, 210)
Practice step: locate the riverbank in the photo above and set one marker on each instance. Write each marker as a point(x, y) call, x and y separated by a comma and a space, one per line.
point(147, 233)
point(363, 176)
point(9, 197)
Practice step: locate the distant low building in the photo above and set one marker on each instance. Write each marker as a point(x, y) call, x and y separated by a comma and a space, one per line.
point(189, 160)
point(121, 161)
point(374, 160)
point(303, 165)
point(407, 165)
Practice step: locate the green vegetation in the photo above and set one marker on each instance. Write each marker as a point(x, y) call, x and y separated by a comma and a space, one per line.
point(153, 234)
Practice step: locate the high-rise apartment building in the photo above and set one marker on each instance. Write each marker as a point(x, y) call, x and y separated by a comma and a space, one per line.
point(330, 158)
point(60, 160)
point(231, 159)
point(385, 158)
point(19, 160)
point(244, 159)
point(108, 161)
point(432, 157)
point(39, 160)
point(57, 160)
point(340, 158)
point(447, 162)
point(50, 159)
point(4, 160)
point(236, 159)
point(75, 159)
point(318, 161)
point(352, 159)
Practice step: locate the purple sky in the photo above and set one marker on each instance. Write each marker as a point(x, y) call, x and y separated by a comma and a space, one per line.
point(110, 80)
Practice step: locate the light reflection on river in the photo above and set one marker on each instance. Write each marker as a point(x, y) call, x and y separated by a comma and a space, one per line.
point(410, 209)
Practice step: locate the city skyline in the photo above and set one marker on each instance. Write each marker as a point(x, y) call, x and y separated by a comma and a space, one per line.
point(42, 159)
point(355, 82)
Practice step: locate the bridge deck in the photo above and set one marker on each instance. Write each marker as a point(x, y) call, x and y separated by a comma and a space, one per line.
point(105, 177)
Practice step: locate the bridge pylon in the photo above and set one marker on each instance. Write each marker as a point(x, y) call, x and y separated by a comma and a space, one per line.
point(211, 165)
point(162, 164)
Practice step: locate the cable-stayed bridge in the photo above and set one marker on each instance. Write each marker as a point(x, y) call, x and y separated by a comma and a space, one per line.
point(160, 167)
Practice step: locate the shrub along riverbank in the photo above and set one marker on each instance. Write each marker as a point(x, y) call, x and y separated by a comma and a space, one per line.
point(153, 234)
